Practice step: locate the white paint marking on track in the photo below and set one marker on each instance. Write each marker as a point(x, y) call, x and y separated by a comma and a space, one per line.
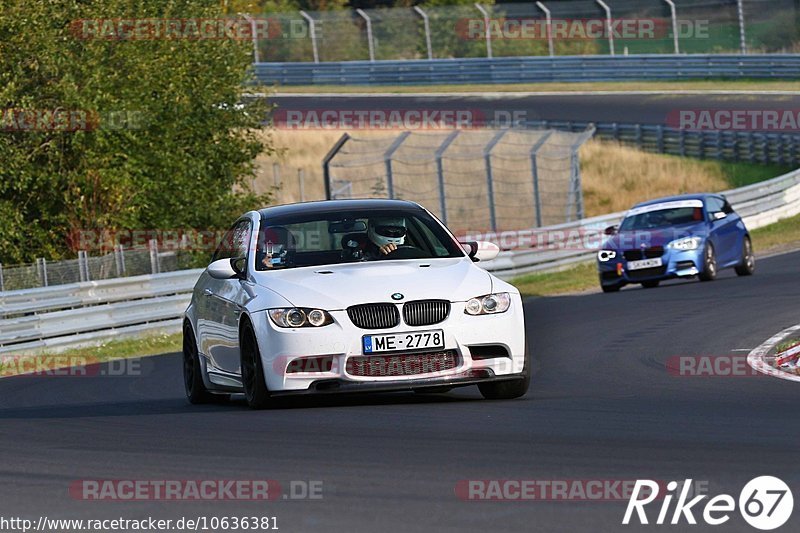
point(756, 357)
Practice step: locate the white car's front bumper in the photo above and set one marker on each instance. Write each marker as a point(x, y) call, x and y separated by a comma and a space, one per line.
point(343, 340)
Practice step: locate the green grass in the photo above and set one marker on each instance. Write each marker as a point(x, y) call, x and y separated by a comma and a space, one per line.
point(661, 86)
point(783, 235)
point(742, 173)
point(785, 345)
point(121, 349)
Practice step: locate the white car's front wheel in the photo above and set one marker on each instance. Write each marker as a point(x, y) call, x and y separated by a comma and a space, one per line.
point(508, 390)
point(253, 382)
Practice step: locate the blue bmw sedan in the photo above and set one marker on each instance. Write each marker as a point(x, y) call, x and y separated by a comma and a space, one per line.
point(675, 237)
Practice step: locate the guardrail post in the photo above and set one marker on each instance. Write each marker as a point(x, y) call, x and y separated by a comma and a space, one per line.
point(549, 25)
point(682, 142)
point(674, 25)
point(440, 172)
point(537, 199)
point(427, 24)
point(487, 156)
point(638, 129)
point(608, 25)
point(387, 159)
point(487, 28)
point(718, 141)
point(326, 163)
point(369, 33)
point(742, 32)
point(660, 138)
point(2, 280)
point(312, 30)
point(155, 268)
point(751, 150)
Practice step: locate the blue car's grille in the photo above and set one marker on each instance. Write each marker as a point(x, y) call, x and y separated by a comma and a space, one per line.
point(645, 253)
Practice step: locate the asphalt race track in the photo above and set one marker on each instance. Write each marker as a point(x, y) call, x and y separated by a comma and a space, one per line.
point(602, 406)
point(644, 108)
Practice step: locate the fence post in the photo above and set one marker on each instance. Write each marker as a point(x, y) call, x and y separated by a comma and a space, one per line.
point(487, 28)
point(427, 24)
point(440, 172)
point(83, 265)
point(660, 138)
point(487, 156)
point(549, 25)
point(2, 280)
point(326, 163)
point(301, 177)
point(387, 158)
point(742, 32)
point(608, 25)
point(369, 33)
point(674, 25)
point(718, 141)
point(312, 30)
point(682, 141)
point(576, 188)
point(751, 150)
point(155, 268)
point(256, 58)
point(537, 198)
point(638, 128)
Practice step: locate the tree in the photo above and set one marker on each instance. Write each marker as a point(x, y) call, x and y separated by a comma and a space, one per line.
point(156, 135)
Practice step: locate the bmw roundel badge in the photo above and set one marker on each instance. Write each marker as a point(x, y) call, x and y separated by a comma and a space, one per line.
point(397, 296)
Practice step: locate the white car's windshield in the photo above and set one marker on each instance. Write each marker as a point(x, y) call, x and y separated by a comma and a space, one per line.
point(353, 236)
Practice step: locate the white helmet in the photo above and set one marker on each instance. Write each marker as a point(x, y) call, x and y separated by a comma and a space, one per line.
point(383, 231)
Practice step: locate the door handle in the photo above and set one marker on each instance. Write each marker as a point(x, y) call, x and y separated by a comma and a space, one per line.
point(207, 292)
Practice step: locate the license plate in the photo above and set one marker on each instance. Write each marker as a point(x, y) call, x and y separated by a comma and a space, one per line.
point(644, 263)
point(398, 342)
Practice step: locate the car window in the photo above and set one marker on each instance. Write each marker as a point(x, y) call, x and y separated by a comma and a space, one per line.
point(337, 237)
point(662, 218)
point(235, 242)
point(714, 205)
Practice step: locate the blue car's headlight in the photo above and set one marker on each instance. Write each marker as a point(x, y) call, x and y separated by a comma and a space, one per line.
point(606, 255)
point(489, 304)
point(687, 243)
point(299, 317)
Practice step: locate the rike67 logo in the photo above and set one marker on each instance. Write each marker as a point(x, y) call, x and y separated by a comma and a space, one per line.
point(765, 503)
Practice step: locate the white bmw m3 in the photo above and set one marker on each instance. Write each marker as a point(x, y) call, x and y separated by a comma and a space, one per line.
point(351, 296)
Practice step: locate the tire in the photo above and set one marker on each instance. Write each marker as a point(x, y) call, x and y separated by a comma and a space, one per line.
point(709, 272)
point(748, 264)
point(253, 382)
point(650, 284)
point(196, 391)
point(510, 389)
point(610, 288)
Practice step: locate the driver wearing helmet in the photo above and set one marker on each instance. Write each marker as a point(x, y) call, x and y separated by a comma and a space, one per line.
point(385, 235)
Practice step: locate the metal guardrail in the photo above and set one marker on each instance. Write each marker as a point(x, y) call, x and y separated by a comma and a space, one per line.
point(84, 313)
point(54, 318)
point(532, 70)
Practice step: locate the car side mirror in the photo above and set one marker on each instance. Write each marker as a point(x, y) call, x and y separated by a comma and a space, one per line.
point(611, 230)
point(222, 269)
point(719, 215)
point(481, 250)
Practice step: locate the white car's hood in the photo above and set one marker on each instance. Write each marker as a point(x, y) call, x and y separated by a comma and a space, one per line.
point(335, 287)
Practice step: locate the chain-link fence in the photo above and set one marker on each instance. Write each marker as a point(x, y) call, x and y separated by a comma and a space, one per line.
point(487, 180)
point(546, 27)
point(121, 262)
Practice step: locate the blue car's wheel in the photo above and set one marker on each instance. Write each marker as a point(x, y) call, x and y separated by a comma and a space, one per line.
point(650, 284)
point(709, 272)
point(748, 264)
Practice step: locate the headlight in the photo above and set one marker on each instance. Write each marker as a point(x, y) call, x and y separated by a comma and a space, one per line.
point(687, 243)
point(489, 304)
point(606, 255)
point(299, 317)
